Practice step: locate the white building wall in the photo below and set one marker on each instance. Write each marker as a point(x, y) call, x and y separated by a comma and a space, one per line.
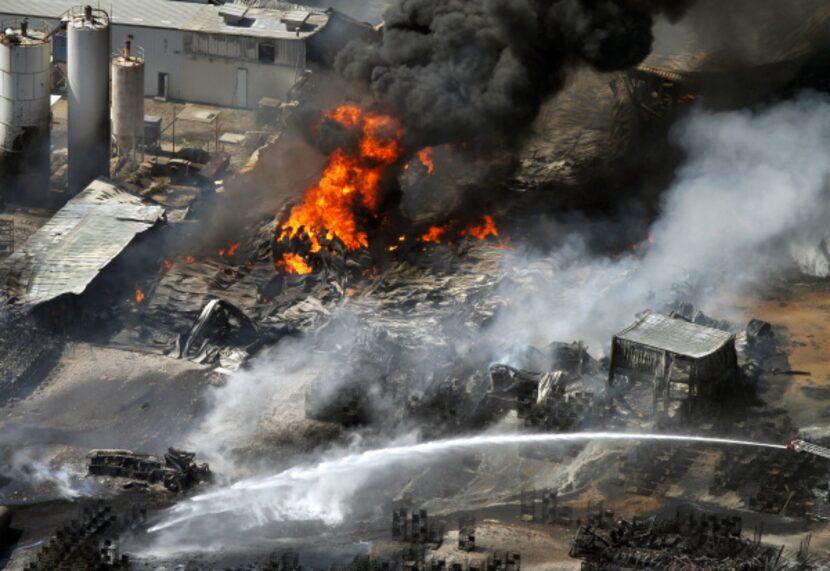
point(205, 79)
point(211, 80)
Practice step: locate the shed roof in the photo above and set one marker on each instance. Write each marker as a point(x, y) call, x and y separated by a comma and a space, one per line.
point(675, 336)
point(185, 16)
point(80, 240)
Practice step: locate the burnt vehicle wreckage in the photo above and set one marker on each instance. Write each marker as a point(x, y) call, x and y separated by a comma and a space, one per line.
point(176, 470)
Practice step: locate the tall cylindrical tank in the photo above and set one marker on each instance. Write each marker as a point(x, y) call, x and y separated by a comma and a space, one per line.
point(128, 100)
point(88, 55)
point(25, 111)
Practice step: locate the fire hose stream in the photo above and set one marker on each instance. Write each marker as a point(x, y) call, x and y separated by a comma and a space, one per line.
point(320, 491)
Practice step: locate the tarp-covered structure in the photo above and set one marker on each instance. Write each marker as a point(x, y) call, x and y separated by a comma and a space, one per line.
point(78, 242)
point(686, 360)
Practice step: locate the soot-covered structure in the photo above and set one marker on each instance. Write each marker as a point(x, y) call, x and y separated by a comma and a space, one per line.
point(687, 362)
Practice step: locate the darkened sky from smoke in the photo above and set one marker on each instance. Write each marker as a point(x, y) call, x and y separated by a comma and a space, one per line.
point(476, 71)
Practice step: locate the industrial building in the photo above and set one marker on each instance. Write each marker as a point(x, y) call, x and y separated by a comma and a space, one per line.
point(226, 55)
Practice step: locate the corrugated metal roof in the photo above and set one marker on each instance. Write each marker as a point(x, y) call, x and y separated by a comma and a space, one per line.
point(675, 336)
point(187, 16)
point(70, 250)
point(154, 13)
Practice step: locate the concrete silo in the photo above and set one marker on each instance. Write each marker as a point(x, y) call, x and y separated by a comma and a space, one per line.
point(25, 111)
point(88, 55)
point(128, 100)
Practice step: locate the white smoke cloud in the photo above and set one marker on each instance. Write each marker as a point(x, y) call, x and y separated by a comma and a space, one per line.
point(750, 199)
point(262, 404)
point(239, 408)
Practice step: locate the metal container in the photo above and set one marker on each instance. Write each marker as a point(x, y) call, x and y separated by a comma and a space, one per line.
point(88, 34)
point(128, 100)
point(25, 111)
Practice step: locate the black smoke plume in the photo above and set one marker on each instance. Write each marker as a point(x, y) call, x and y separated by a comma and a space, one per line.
point(476, 71)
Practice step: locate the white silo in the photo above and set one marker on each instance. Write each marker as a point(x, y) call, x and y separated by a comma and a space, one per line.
point(128, 100)
point(25, 111)
point(88, 60)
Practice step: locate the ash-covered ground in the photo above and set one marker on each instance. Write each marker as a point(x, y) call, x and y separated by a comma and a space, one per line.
point(332, 388)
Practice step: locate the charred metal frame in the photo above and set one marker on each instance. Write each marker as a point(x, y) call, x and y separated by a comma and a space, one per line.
point(709, 364)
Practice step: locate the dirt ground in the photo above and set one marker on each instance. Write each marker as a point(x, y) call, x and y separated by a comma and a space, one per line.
point(187, 133)
point(805, 317)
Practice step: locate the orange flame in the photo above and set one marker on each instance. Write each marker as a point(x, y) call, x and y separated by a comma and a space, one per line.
point(483, 230)
point(294, 264)
point(168, 264)
point(190, 259)
point(425, 156)
point(230, 250)
point(350, 179)
point(434, 234)
point(139, 295)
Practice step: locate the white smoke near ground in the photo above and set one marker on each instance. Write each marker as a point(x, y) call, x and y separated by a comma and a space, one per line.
point(31, 469)
point(238, 408)
point(749, 200)
point(261, 407)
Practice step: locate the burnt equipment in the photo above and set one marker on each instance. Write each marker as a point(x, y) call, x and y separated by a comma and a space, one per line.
point(797, 445)
point(176, 470)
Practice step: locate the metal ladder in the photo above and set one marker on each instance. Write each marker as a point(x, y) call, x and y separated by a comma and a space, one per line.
point(810, 448)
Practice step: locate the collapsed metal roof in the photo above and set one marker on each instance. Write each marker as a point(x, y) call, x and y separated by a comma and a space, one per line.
point(70, 250)
point(676, 336)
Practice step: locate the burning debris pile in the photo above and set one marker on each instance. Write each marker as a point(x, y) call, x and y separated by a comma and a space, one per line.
point(354, 201)
point(334, 213)
point(177, 471)
point(686, 541)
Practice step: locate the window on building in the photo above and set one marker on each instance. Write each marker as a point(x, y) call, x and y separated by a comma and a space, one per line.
point(267, 53)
